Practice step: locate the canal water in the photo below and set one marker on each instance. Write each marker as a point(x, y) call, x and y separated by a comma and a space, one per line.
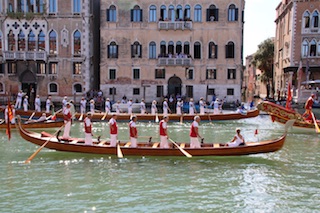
point(284, 181)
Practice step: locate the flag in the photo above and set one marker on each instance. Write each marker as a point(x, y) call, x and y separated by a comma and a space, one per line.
point(299, 76)
point(289, 97)
point(256, 132)
point(10, 117)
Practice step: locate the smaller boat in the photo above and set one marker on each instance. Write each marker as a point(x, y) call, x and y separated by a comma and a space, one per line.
point(35, 125)
point(281, 115)
point(150, 148)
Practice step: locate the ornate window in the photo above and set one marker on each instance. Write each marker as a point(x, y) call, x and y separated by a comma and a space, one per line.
point(186, 48)
point(21, 6)
point(76, 6)
point(113, 50)
point(170, 48)
point(232, 13)
point(53, 42)
point(306, 19)
point(163, 13)
point(136, 49)
point(21, 41)
point(136, 14)
point(11, 41)
point(152, 50)
point(315, 19)
point(305, 48)
point(77, 88)
point(197, 50)
point(187, 13)
point(179, 13)
point(31, 41)
point(178, 47)
point(153, 13)
point(230, 50)
point(172, 15)
point(77, 68)
point(53, 68)
point(53, 88)
point(41, 68)
point(41, 41)
point(313, 48)
point(163, 49)
point(197, 13)
point(52, 6)
point(212, 13)
point(112, 14)
point(213, 50)
point(77, 43)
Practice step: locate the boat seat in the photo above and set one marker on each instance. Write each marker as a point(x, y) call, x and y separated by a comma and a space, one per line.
point(74, 141)
point(127, 144)
point(155, 145)
point(216, 145)
point(102, 143)
point(182, 145)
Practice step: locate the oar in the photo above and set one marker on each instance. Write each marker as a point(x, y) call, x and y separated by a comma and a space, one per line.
point(54, 114)
point(104, 116)
point(43, 145)
point(119, 152)
point(210, 119)
point(181, 119)
point(81, 117)
point(157, 118)
point(31, 116)
point(315, 123)
point(182, 150)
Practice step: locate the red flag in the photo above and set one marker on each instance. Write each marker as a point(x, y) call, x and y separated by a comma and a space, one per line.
point(255, 132)
point(10, 117)
point(289, 97)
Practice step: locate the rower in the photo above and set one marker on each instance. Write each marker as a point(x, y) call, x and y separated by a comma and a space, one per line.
point(194, 133)
point(88, 129)
point(238, 140)
point(67, 117)
point(133, 131)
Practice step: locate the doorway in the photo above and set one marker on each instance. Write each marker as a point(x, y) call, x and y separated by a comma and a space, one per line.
point(29, 86)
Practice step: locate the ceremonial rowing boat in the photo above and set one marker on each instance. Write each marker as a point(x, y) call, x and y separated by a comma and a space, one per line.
point(151, 148)
point(281, 115)
point(149, 117)
point(36, 125)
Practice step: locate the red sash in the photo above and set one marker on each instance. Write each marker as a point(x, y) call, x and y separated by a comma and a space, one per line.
point(162, 130)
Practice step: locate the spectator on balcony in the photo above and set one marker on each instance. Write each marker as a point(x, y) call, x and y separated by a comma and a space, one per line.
point(160, 19)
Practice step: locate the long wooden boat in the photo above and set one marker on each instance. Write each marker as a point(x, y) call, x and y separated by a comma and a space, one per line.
point(149, 117)
point(281, 115)
point(39, 125)
point(151, 148)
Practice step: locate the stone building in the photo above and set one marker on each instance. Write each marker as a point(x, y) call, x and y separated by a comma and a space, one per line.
point(46, 47)
point(150, 49)
point(297, 40)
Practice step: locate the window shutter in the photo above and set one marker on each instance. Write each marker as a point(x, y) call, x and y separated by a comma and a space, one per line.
point(117, 50)
point(210, 51)
point(132, 53)
point(216, 14)
point(108, 15)
point(235, 74)
point(226, 51)
point(236, 15)
point(216, 51)
point(208, 14)
point(140, 46)
point(108, 48)
point(141, 15)
point(207, 76)
point(131, 11)
point(242, 17)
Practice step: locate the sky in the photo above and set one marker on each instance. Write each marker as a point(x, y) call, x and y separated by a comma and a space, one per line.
point(259, 23)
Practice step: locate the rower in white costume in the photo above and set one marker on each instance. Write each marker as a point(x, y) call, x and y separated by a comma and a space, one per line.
point(19, 100)
point(107, 106)
point(142, 107)
point(202, 105)
point(154, 109)
point(83, 104)
point(37, 104)
point(25, 103)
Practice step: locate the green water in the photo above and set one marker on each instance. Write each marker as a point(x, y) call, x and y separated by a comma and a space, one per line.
point(284, 181)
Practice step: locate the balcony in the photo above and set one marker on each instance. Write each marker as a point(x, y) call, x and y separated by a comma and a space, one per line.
point(174, 62)
point(175, 25)
point(28, 55)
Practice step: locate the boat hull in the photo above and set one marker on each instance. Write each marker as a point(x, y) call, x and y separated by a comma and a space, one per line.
point(41, 125)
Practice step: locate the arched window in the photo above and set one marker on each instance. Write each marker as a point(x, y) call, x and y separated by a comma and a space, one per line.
point(172, 15)
point(21, 41)
point(53, 42)
point(318, 49)
point(197, 50)
point(163, 49)
point(136, 49)
point(187, 13)
point(213, 50)
point(1, 87)
point(163, 13)
point(305, 48)
point(152, 50)
point(31, 41)
point(77, 88)
point(230, 50)
point(306, 19)
point(232, 13)
point(198, 13)
point(41, 41)
point(0, 40)
point(179, 13)
point(315, 19)
point(77, 43)
point(136, 14)
point(178, 47)
point(76, 6)
point(153, 13)
point(113, 50)
point(313, 48)
point(212, 13)
point(186, 48)
point(52, 6)
point(112, 14)
point(170, 48)
point(11, 41)
point(53, 88)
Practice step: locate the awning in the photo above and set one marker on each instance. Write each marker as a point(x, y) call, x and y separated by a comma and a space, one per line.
point(295, 69)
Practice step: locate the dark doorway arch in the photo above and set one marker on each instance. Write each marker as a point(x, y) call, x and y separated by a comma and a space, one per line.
point(29, 85)
point(174, 86)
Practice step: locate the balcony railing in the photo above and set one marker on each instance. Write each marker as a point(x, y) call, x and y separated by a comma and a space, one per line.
point(174, 61)
point(175, 25)
point(28, 55)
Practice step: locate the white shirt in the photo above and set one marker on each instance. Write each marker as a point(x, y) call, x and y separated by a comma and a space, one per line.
point(165, 105)
point(83, 103)
point(107, 103)
point(142, 106)
point(38, 102)
point(48, 102)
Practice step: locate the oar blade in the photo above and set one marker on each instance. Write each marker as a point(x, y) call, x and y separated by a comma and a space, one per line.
point(119, 152)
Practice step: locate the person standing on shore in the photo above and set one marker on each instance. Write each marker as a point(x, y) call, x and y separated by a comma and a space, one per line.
point(48, 104)
point(19, 100)
point(202, 104)
point(83, 104)
point(25, 103)
point(191, 107)
point(154, 109)
point(37, 104)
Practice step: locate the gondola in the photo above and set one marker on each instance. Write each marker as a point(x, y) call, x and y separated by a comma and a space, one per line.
point(151, 148)
point(36, 125)
point(148, 117)
point(281, 115)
